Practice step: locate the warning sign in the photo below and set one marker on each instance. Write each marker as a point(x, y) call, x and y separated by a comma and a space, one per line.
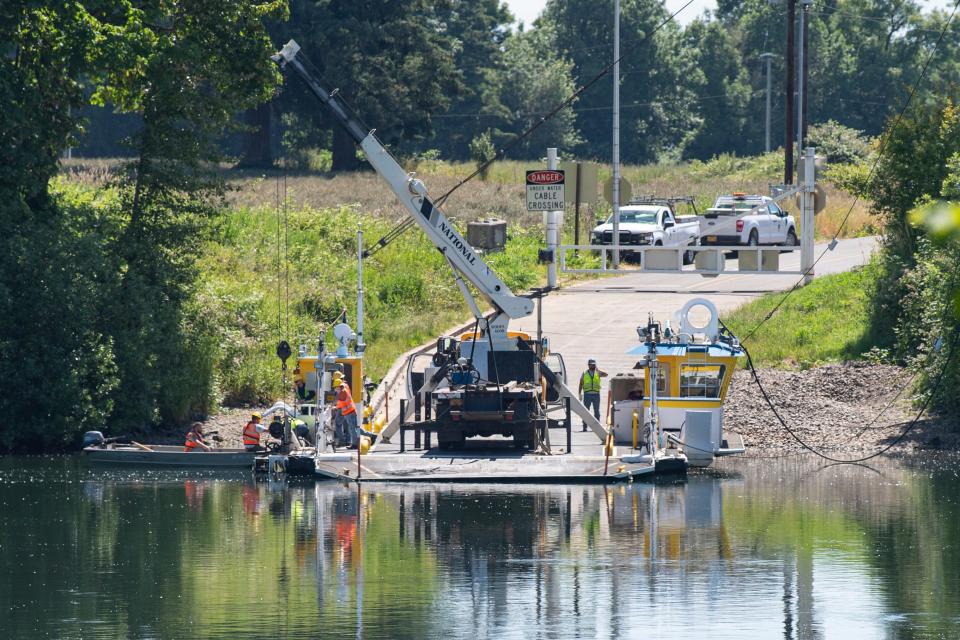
point(544, 190)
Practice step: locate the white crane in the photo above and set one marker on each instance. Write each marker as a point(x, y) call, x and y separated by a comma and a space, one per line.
point(462, 258)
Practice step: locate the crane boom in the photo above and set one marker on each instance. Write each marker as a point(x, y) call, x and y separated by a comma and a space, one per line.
point(412, 193)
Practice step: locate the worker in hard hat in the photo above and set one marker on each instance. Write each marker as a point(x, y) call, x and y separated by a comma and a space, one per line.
point(341, 436)
point(590, 388)
point(300, 386)
point(347, 412)
point(252, 431)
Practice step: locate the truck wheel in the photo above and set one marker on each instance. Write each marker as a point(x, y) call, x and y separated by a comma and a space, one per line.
point(754, 239)
point(688, 257)
point(791, 240)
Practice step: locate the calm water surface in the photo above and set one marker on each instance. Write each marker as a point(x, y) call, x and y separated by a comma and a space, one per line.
point(756, 549)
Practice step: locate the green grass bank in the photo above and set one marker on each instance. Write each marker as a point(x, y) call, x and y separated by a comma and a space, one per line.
point(825, 321)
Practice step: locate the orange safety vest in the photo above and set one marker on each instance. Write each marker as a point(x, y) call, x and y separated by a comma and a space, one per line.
point(345, 401)
point(190, 443)
point(250, 434)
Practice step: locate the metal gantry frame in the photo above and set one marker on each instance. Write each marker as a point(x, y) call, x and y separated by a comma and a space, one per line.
point(665, 254)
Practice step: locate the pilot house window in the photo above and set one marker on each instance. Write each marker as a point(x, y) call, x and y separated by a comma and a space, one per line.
point(701, 380)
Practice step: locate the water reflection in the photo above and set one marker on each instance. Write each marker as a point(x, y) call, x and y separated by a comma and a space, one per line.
point(773, 548)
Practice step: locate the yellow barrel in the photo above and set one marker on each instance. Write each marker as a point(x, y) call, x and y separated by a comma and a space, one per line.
point(364, 444)
point(379, 424)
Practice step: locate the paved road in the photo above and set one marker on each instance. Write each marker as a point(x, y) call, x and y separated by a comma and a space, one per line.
point(599, 318)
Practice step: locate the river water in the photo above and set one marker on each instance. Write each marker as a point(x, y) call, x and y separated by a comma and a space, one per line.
point(779, 548)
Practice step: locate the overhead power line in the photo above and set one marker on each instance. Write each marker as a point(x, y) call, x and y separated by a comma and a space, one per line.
point(396, 231)
point(883, 148)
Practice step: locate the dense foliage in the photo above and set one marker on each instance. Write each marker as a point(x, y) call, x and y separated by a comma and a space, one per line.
point(914, 312)
point(93, 288)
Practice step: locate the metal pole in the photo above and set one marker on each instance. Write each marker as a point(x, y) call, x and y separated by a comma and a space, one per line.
point(788, 95)
point(800, 81)
point(576, 210)
point(553, 225)
point(805, 68)
point(616, 134)
point(768, 57)
point(807, 216)
point(361, 346)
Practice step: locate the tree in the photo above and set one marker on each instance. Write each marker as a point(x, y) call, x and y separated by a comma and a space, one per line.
point(392, 61)
point(206, 63)
point(723, 88)
point(655, 115)
point(477, 31)
point(533, 84)
point(90, 296)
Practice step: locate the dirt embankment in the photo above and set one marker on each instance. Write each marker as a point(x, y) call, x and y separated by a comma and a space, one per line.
point(836, 408)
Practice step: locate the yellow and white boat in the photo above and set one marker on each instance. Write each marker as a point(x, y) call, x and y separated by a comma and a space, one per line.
point(692, 365)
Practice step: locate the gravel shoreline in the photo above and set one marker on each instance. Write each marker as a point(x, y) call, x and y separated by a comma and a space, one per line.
point(835, 408)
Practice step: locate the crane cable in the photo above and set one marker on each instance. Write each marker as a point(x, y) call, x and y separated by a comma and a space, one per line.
point(283, 278)
point(502, 152)
point(882, 450)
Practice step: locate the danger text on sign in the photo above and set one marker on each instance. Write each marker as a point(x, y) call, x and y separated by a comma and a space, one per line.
point(544, 190)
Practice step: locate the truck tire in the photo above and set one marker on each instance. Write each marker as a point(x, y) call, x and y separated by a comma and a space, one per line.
point(688, 257)
point(791, 240)
point(754, 239)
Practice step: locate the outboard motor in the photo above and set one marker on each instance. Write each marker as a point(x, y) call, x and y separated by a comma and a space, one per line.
point(93, 439)
point(276, 429)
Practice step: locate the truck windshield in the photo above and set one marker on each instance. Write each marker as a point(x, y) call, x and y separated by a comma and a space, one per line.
point(641, 217)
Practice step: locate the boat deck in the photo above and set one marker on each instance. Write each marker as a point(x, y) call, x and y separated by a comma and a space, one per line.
point(485, 460)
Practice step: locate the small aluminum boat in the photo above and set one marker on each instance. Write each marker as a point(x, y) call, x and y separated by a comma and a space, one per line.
point(169, 456)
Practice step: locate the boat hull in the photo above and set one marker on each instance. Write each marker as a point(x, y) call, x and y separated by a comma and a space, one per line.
point(171, 456)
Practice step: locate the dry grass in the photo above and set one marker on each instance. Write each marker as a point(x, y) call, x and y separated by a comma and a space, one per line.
point(501, 194)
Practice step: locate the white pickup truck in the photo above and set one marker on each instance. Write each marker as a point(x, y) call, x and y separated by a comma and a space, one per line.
point(749, 220)
point(650, 225)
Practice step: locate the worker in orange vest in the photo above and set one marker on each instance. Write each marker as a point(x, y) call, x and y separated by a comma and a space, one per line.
point(195, 439)
point(347, 412)
point(251, 433)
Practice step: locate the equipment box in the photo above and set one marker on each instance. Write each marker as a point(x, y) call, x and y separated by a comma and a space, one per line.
point(489, 234)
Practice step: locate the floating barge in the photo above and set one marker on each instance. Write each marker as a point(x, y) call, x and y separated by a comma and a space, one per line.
point(489, 460)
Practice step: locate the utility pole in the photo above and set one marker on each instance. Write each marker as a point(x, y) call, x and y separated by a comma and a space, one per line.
point(616, 134)
point(804, 68)
point(768, 57)
point(788, 95)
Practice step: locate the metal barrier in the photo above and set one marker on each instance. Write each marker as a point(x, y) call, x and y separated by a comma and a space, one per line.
point(668, 260)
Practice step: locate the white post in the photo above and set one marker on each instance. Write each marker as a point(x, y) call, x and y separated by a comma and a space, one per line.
point(553, 225)
point(616, 134)
point(361, 345)
point(807, 216)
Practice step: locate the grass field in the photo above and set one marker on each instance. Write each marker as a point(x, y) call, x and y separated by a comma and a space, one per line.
point(825, 321)
point(501, 194)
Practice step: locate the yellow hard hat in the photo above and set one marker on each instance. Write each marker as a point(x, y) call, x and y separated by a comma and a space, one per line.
point(256, 416)
point(337, 375)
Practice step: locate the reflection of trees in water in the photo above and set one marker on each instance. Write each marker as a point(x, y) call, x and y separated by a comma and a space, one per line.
point(900, 525)
point(167, 555)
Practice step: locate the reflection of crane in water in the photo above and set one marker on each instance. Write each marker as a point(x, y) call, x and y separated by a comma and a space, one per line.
point(544, 553)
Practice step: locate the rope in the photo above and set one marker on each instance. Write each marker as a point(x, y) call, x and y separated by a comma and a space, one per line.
point(883, 147)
